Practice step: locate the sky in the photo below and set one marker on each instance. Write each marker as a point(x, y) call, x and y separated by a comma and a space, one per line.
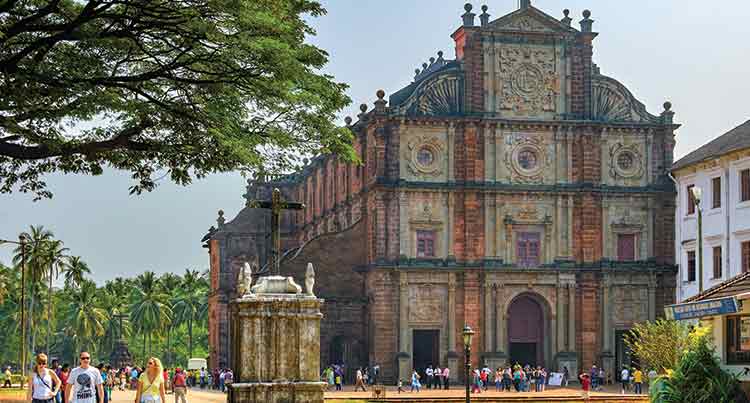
point(693, 53)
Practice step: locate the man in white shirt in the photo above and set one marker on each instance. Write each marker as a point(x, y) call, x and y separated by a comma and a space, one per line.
point(84, 383)
point(624, 378)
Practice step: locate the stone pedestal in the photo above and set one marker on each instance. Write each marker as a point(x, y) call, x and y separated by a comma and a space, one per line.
point(453, 366)
point(495, 360)
point(121, 357)
point(404, 367)
point(608, 363)
point(275, 339)
point(569, 360)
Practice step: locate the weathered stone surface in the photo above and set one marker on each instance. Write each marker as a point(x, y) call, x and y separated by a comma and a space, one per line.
point(276, 346)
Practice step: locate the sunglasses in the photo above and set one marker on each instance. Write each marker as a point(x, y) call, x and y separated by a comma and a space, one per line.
point(85, 358)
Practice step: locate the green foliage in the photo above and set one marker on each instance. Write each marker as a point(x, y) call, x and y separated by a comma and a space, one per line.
point(187, 87)
point(164, 316)
point(659, 344)
point(699, 379)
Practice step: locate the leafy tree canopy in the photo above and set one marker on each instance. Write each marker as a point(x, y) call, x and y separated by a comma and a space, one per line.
point(188, 87)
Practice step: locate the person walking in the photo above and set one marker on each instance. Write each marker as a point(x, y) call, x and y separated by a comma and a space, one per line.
point(84, 383)
point(151, 383)
point(64, 375)
point(179, 386)
point(585, 385)
point(360, 383)
point(43, 382)
point(498, 380)
point(624, 379)
point(638, 381)
point(8, 377)
point(415, 381)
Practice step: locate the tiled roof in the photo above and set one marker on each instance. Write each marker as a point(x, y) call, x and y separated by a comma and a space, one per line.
point(735, 139)
point(734, 286)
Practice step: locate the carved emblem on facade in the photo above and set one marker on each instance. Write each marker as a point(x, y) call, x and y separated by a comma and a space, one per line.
point(425, 156)
point(528, 82)
point(527, 159)
point(626, 161)
point(526, 23)
point(528, 213)
point(427, 303)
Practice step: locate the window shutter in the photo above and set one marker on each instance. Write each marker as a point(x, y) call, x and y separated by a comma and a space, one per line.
point(745, 256)
point(691, 266)
point(690, 200)
point(717, 262)
point(745, 185)
point(626, 247)
point(716, 196)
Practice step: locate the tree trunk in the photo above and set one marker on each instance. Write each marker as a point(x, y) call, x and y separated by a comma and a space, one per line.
point(190, 338)
point(49, 309)
point(144, 348)
point(169, 352)
point(32, 328)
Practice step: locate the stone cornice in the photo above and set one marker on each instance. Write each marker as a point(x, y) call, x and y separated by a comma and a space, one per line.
point(490, 264)
point(514, 188)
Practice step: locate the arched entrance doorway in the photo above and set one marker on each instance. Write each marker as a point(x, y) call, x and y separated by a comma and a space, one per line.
point(526, 331)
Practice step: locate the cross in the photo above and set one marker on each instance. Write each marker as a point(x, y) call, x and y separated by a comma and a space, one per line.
point(277, 205)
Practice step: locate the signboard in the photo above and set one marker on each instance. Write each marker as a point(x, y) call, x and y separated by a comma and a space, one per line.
point(555, 379)
point(690, 310)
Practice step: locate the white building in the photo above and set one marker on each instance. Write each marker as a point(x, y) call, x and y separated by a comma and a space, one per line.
point(721, 170)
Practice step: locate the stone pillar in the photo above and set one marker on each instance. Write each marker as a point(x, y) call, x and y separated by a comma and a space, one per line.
point(560, 317)
point(652, 283)
point(500, 321)
point(488, 327)
point(275, 333)
point(451, 144)
point(403, 219)
point(571, 317)
point(607, 357)
point(404, 359)
point(452, 355)
point(451, 224)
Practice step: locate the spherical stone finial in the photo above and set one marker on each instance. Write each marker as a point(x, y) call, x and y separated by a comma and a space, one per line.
point(440, 54)
point(586, 14)
point(380, 94)
point(432, 60)
point(221, 213)
point(667, 106)
point(363, 108)
point(416, 72)
point(468, 7)
point(424, 65)
point(307, 161)
point(485, 8)
point(566, 12)
point(348, 120)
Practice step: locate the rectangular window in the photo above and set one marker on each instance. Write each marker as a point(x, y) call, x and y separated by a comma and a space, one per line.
point(691, 266)
point(626, 247)
point(738, 340)
point(527, 249)
point(425, 243)
point(716, 192)
point(745, 247)
point(717, 261)
point(745, 185)
point(690, 200)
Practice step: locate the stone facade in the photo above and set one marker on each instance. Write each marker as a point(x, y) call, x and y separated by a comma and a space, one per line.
point(512, 182)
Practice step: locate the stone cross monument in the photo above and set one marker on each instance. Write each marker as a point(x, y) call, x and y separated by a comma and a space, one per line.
point(275, 331)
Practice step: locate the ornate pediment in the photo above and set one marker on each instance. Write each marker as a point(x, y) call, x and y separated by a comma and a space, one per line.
point(528, 20)
point(613, 102)
point(439, 94)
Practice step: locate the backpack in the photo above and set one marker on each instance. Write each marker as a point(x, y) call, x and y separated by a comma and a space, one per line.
point(179, 379)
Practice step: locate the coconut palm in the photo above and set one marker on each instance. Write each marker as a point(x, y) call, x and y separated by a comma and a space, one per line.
point(56, 263)
point(151, 311)
point(84, 319)
point(190, 304)
point(75, 271)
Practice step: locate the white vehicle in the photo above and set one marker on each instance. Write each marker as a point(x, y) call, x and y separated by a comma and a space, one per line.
point(197, 363)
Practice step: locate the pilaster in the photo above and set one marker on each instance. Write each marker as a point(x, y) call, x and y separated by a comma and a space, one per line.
point(403, 208)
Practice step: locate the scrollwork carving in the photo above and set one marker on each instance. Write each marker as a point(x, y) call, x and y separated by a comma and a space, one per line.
point(527, 159)
point(529, 85)
point(425, 156)
point(626, 161)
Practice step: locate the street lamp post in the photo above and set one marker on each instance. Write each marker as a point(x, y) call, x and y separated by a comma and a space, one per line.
point(468, 334)
point(697, 195)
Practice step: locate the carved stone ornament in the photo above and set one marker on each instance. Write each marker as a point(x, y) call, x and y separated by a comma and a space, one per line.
point(425, 156)
point(526, 23)
point(626, 161)
point(528, 83)
point(527, 159)
point(624, 221)
point(427, 303)
point(613, 102)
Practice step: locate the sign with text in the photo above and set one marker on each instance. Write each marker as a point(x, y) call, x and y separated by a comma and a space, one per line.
point(691, 310)
point(555, 379)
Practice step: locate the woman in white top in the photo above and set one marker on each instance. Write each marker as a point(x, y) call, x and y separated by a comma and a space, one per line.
point(44, 384)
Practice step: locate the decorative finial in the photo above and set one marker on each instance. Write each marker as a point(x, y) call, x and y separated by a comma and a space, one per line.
point(432, 60)
point(667, 106)
point(440, 54)
point(307, 161)
point(348, 120)
point(667, 117)
point(587, 22)
point(424, 65)
point(484, 18)
point(363, 108)
point(380, 103)
point(566, 12)
point(309, 280)
point(220, 220)
point(468, 16)
point(566, 20)
point(525, 4)
point(245, 280)
point(380, 94)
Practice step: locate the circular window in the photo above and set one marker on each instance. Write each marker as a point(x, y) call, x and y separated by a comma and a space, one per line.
point(625, 161)
point(425, 157)
point(527, 159)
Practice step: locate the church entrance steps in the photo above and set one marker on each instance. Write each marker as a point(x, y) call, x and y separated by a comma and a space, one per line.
point(457, 396)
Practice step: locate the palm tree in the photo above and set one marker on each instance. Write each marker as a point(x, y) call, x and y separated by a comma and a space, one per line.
point(85, 319)
point(57, 262)
point(75, 271)
point(5, 279)
point(170, 283)
point(36, 257)
point(151, 311)
point(191, 302)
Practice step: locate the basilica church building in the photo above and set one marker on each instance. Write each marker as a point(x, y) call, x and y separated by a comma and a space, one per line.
point(513, 188)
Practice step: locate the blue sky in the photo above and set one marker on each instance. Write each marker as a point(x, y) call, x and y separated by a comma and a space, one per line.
point(691, 52)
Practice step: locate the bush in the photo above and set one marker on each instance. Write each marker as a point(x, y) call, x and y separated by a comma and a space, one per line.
point(698, 378)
